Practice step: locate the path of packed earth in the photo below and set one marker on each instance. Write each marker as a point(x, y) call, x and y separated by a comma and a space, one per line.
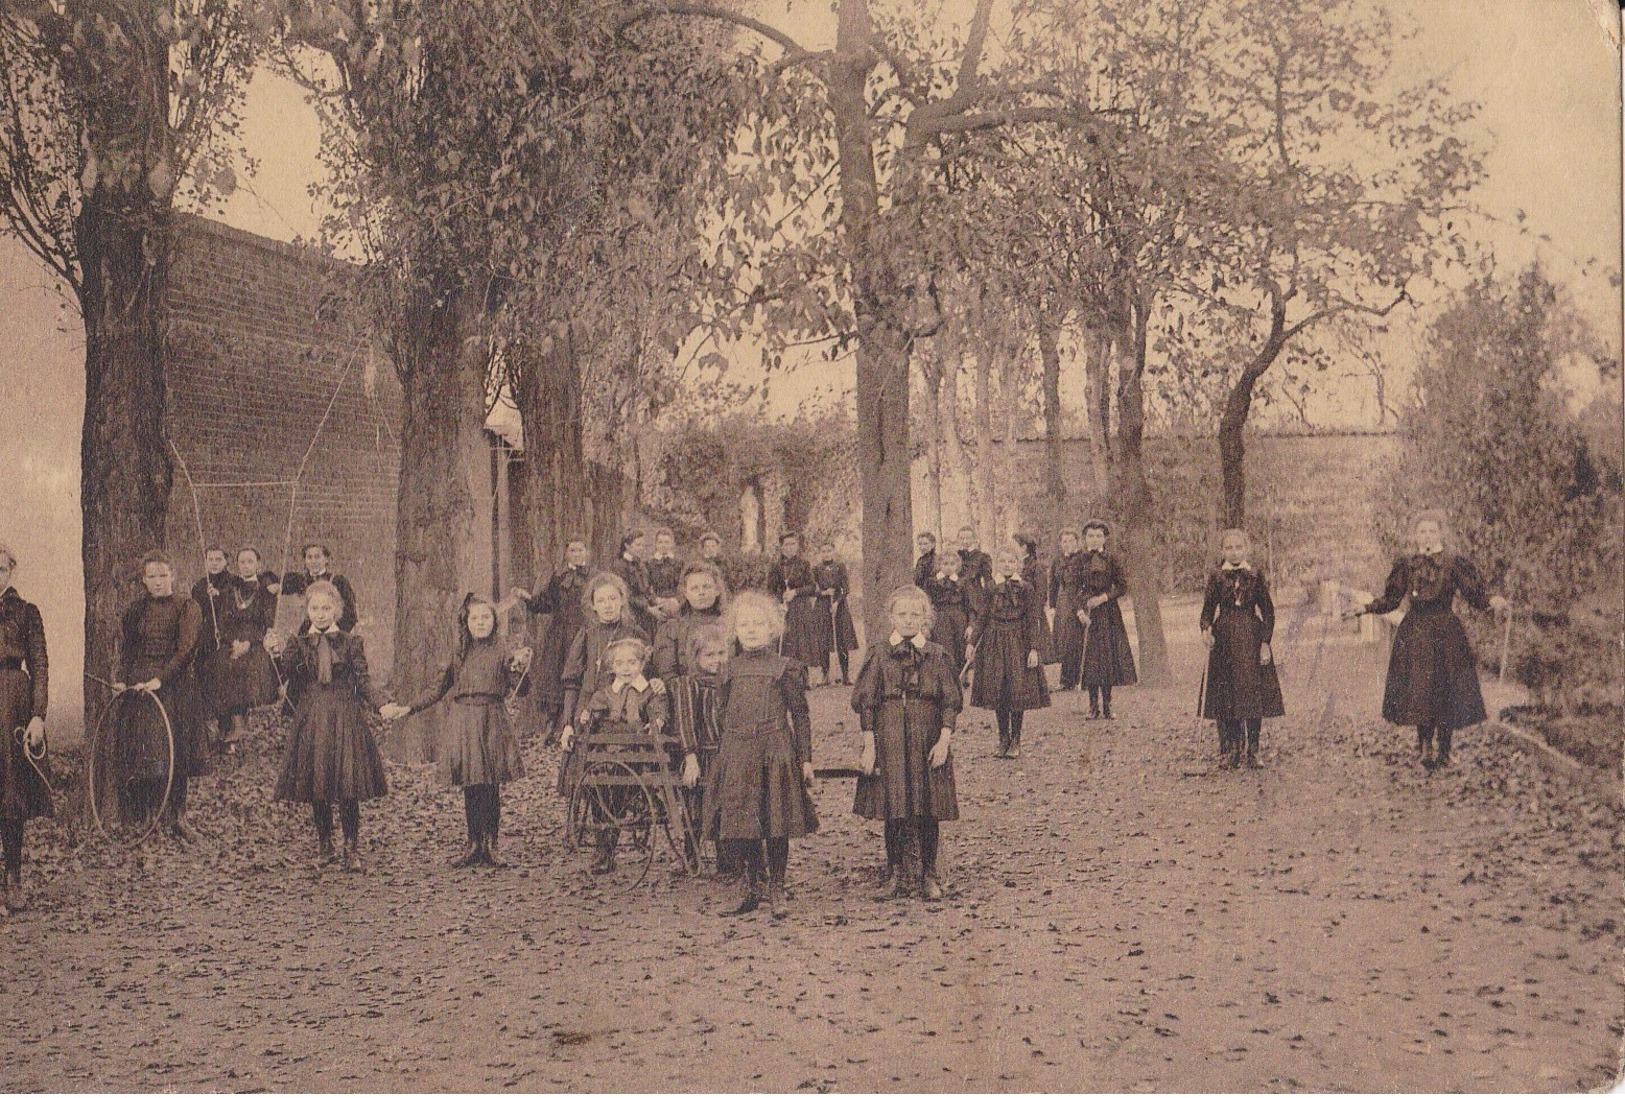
point(1121, 916)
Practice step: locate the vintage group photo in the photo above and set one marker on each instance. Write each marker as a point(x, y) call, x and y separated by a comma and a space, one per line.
point(811, 545)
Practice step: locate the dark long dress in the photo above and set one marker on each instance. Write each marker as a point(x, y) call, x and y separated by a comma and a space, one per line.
point(925, 566)
point(1238, 609)
point(297, 583)
point(665, 576)
point(1008, 625)
point(1107, 658)
point(585, 670)
point(24, 693)
point(475, 743)
point(1432, 673)
point(756, 789)
point(640, 595)
point(670, 656)
point(248, 610)
point(951, 600)
point(561, 600)
point(833, 576)
point(1033, 574)
point(210, 595)
point(331, 755)
point(806, 634)
point(161, 637)
point(1066, 597)
point(906, 695)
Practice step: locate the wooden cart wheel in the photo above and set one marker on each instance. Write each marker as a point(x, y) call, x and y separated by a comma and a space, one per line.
point(614, 795)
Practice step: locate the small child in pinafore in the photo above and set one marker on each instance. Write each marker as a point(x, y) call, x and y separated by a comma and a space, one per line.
point(695, 718)
point(629, 702)
point(756, 799)
point(907, 699)
point(476, 747)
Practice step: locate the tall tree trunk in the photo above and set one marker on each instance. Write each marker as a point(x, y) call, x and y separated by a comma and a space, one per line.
point(882, 343)
point(547, 389)
point(1233, 420)
point(442, 548)
point(1097, 372)
point(1133, 493)
point(1010, 479)
point(952, 441)
point(125, 473)
point(985, 517)
point(931, 420)
point(1054, 445)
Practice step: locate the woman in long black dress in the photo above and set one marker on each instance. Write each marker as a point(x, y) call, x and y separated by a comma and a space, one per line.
point(1004, 651)
point(24, 691)
point(633, 569)
point(209, 592)
point(247, 677)
point(1108, 660)
point(561, 599)
point(1238, 621)
point(834, 591)
point(806, 634)
point(161, 634)
point(1066, 599)
point(1432, 673)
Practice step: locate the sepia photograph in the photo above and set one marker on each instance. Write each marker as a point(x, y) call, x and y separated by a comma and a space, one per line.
point(806, 546)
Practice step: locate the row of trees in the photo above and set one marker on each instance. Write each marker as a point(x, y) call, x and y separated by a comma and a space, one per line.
point(555, 196)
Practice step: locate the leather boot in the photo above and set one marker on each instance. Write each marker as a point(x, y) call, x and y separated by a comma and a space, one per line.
point(1252, 749)
point(352, 857)
point(753, 893)
point(1442, 758)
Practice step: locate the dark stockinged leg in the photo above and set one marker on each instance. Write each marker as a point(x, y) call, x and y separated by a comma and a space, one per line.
point(1442, 758)
point(846, 667)
point(778, 861)
point(1106, 703)
point(1094, 702)
point(1254, 727)
point(350, 824)
point(930, 838)
point(748, 853)
point(1003, 717)
point(1017, 716)
point(321, 813)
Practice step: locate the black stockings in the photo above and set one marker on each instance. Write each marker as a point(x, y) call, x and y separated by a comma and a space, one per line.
point(349, 820)
point(1009, 727)
point(11, 843)
point(482, 804)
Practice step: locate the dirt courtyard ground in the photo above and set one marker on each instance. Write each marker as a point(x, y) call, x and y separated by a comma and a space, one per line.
point(1122, 916)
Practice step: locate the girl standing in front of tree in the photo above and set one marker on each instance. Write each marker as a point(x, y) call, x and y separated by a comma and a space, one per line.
point(1432, 672)
point(908, 700)
point(24, 691)
point(1108, 661)
point(563, 599)
point(1238, 621)
point(834, 587)
point(332, 757)
point(757, 799)
point(1004, 655)
point(476, 748)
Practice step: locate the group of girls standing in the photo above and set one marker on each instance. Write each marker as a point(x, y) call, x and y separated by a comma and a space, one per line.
point(729, 681)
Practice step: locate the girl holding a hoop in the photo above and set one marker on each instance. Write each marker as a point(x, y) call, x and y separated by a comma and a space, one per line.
point(23, 792)
point(162, 634)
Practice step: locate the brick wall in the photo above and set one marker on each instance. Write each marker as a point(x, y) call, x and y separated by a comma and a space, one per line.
point(269, 360)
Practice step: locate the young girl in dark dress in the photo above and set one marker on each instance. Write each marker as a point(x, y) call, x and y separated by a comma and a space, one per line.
point(1108, 660)
point(834, 585)
point(628, 702)
point(1237, 622)
point(161, 634)
point(634, 572)
point(950, 601)
point(908, 700)
point(332, 756)
point(1005, 640)
point(1432, 673)
point(247, 677)
point(806, 634)
point(563, 599)
point(586, 668)
point(696, 721)
point(757, 799)
point(24, 692)
point(318, 560)
point(476, 747)
point(702, 606)
point(209, 593)
point(666, 574)
point(1066, 599)
point(1032, 572)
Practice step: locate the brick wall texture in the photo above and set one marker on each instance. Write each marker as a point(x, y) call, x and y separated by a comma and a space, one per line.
point(284, 414)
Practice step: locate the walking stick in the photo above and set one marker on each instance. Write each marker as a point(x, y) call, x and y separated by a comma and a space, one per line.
point(1506, 646)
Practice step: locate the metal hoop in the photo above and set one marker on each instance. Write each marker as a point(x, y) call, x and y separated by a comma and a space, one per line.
point(90, 770)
